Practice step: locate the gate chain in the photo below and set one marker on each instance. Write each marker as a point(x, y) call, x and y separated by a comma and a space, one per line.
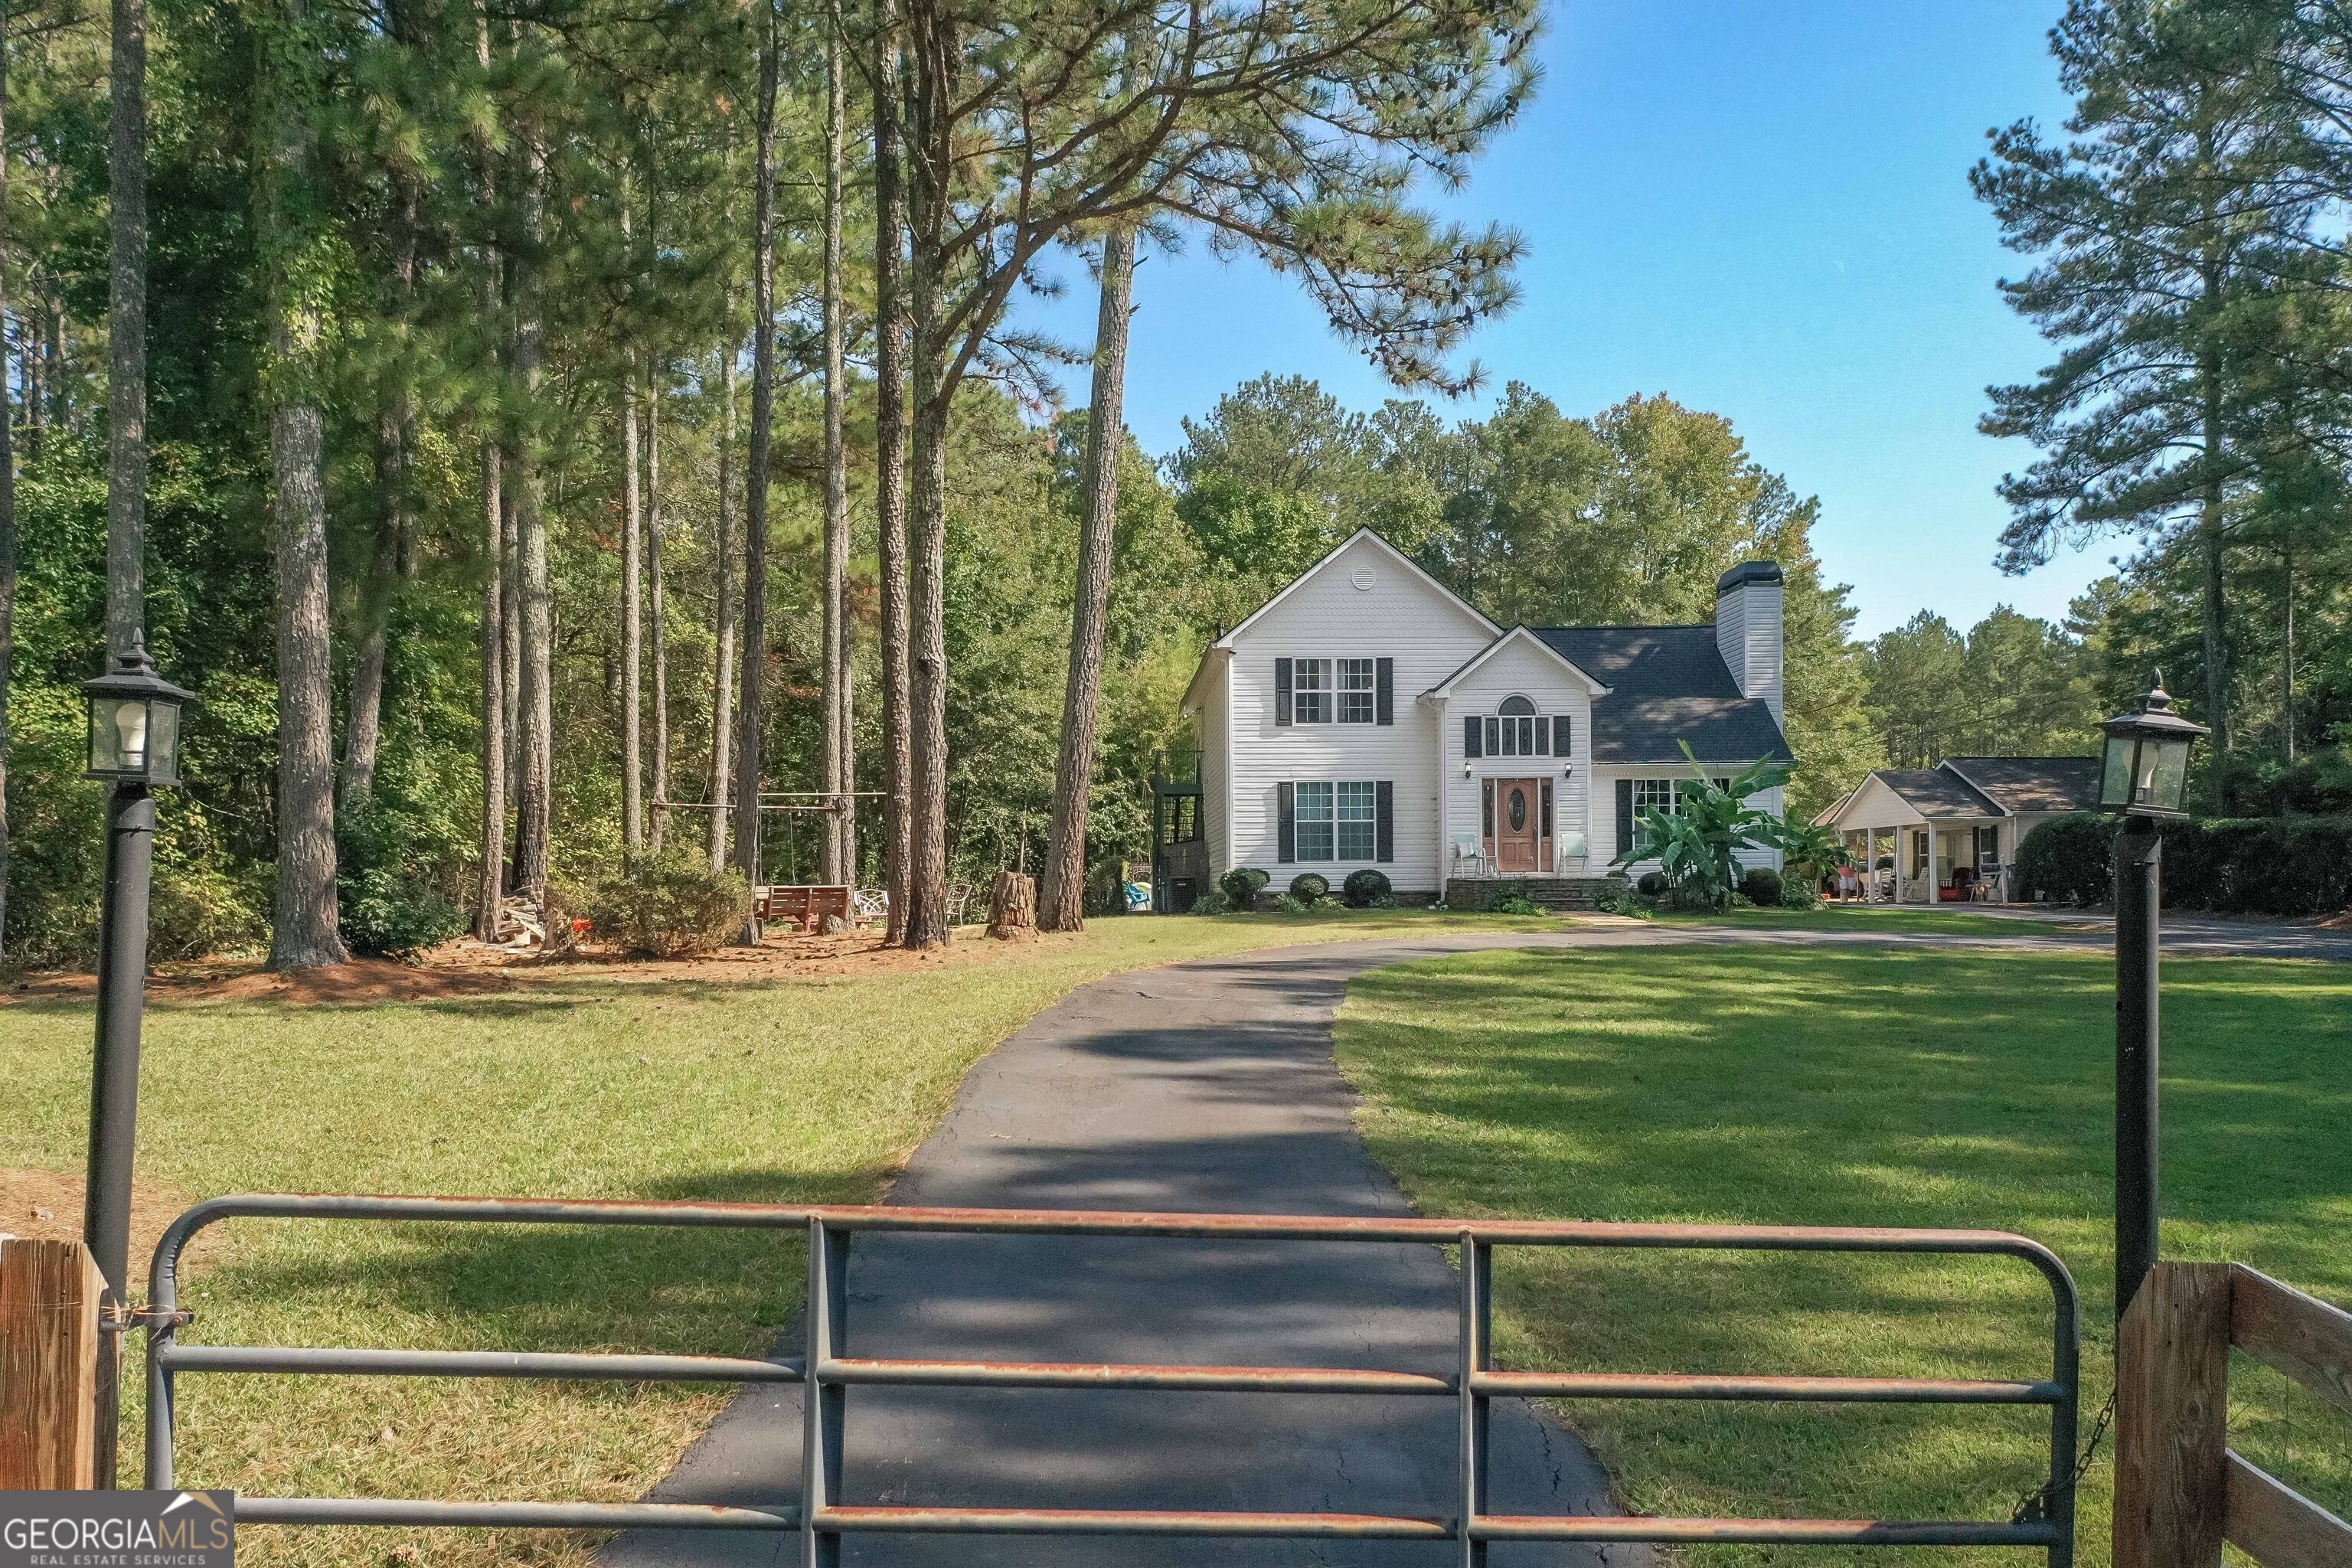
point(2035, 1505)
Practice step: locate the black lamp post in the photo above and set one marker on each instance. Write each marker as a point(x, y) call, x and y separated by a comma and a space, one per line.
point(134, 744)
point(2145, 777)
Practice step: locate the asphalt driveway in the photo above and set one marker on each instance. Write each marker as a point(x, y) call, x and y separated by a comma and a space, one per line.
point(1207, 1087)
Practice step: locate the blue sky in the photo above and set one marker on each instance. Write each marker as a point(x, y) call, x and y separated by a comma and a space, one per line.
point(1762, 210)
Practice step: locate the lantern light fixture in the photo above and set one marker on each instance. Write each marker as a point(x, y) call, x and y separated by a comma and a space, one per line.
point(2146, 772)
point(134, 720)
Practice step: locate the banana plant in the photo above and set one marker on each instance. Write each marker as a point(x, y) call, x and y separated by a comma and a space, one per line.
point(1815, 848)
point(1697, 844)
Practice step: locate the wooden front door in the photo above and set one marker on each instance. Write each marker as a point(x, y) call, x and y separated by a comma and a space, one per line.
point(1518, 826)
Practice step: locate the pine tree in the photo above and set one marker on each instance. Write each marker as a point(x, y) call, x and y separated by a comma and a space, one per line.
point(2158, 227)
point(304, 927)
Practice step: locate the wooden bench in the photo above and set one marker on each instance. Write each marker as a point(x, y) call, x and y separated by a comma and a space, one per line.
point(805, 906)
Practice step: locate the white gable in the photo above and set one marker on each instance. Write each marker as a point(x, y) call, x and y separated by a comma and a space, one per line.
point(1369, 576)
point(1873, 805)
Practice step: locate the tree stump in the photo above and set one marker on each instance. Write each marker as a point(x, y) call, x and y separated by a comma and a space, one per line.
point(1011, 906)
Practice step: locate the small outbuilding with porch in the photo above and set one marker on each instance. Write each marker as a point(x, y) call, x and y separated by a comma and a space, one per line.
point(1949, 833)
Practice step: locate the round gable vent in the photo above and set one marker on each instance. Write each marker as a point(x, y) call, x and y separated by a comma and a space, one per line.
point(1363, 578)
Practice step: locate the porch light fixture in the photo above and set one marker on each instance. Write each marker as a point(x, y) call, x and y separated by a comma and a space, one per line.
point(1465, 768)
point(2147, 768)
point(134, 722)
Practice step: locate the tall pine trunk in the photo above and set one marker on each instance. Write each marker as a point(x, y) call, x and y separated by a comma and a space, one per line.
point(488, 915)
point(656, 627)
point(7, 501)
point(1061, 894)
point(755, 478)
point(126, 326)
point(722, 685)
point(633, 649)
point(929, 145)
point(304, 927)
point(890, 459)
point(2212, 520)
point(836, 864)
point(395, 425)
point(535, 699)
point(2287, 652)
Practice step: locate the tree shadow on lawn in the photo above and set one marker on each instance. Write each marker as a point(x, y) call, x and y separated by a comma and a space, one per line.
point(1967, 1090)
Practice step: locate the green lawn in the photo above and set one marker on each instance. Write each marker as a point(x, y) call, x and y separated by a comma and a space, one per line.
point(1924, 920)
point(1966, 1088)
point(571, 1085)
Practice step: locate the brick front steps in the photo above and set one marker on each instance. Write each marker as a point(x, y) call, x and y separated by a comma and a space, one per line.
point(1476, 893)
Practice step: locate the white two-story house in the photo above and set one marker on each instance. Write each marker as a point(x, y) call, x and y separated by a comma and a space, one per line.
point(1367, 716)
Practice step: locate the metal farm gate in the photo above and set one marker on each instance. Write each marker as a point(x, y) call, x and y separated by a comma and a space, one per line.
point(821, 1520)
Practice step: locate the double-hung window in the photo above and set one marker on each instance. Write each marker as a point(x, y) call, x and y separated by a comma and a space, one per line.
point(1315, 823)
point(1356, 677)
point(1667, 795)
point(1358, 807)
point(1662, 794)
point(1310, 691)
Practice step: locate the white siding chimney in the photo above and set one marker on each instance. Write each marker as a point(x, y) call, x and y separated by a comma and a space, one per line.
point(1747, 629)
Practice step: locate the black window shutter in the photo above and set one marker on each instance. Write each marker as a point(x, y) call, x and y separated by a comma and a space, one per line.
point(1383, 820)
point(1624, 815)
point(1563, 736)
point(1470, 733)
point(1282, 694)
point(1286, 800)
point(1384, 692)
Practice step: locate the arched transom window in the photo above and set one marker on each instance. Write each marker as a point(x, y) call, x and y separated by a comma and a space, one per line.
point(1515, 729)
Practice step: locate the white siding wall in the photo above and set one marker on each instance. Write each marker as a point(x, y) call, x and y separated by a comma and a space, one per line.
point(1748, 633)
point(1399, 616)
point(1533, 674)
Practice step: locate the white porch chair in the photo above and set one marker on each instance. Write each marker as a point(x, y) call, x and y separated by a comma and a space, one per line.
point(1467, 851)
point(870, 905)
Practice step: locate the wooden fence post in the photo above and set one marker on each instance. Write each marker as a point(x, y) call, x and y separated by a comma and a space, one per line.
point(2172, 1398)
point(49, 1296)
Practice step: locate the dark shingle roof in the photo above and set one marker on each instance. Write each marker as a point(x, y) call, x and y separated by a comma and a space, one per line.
point(1933, 792)
point(2033, 783)
point(1667, 684)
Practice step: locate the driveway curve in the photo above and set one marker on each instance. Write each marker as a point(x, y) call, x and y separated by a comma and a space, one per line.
point(1208, 1086)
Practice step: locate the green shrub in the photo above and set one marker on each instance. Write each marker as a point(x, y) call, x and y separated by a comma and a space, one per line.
point(1363, 889)
point(1763, 886)
point(384, 854)
point(392, 915)
point(1290, 904)
point(1310, 888)
point(2257, 866)
point(1615, 896)
point(2272, 864)
point(671, 908)
point(1798, 893)
point(1212, 902)
point(1514, 904)
point(1652, 884)
point(1243, 884)
point(2069, 859)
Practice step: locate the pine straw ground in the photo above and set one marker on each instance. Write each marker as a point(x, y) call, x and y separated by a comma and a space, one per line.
point(808, 1072)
